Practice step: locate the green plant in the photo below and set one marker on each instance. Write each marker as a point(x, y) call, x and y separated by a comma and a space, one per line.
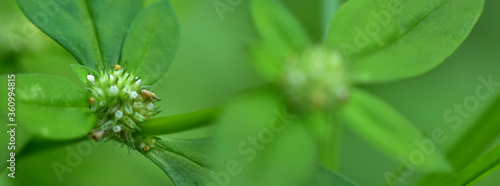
point(368, 42)
point(285, 133)
point(121, 57)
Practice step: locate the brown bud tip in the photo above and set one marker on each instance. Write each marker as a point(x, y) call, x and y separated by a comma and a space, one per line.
point(146, 148)
point(96, 135)
point(149, 96)
point(117, 67)
point(92, 100)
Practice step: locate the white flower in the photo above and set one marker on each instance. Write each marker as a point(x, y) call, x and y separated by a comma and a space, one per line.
point(133, 95)
point(117, 128)
point(91, 78)
point(149, 106)
point(113, 89)
point(111, 77)
point(118, 114)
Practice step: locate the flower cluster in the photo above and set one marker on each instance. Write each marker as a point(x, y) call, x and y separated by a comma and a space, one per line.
point(316, 79)
point(120, 102)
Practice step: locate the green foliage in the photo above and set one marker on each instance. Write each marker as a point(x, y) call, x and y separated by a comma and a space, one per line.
point(477, 169)
point(258, 136)
point(151, 42)
point(184, 161)
point(390, 131)
point(97, 37)
point(51, 107)
point(390, 40)
point(471, 145)
point(79, 35)
point(177, 123)
point(264, 137)
point(281, 35)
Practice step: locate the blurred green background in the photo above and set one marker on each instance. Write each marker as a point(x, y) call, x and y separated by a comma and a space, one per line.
point(211, 66)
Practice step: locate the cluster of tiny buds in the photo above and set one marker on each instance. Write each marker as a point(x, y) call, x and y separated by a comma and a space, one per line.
point(317, 78)
point(121, 102)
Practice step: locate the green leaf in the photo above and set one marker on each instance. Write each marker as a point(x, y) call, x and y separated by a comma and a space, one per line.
point(280, 33)
point(184, 161)
point(112, 20)
point(50, 107)
point(310, 16)
point(477, 169)
point(324, 176)
point(152, 41)
point(83, 71)
point(91, 30)
point(177, 123)
point(470, 145)
point(389, 40)
point(256, 137)
point(389, 131)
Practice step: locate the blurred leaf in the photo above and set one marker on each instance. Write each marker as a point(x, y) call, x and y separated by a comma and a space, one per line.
point(281, 35)
point(184, 161)
point(329, 8)
point(310, 16)
point(389, 131)
point(177, 123)
point(470, 145)
point(477, 169)
point(151, 42)
point(50, 107)
point(83, 71)
point(259, 143)
point(389, 40)
point(324, 176)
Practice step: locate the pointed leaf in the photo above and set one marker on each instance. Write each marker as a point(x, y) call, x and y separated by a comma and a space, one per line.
point(112, 20)
point(152, 41)
point(92, 30)
point(388, 40)
point(471, 145)
point(280, 33)
point(184, 161)
point(50, 107)
point(477, 169)
point(390, 132)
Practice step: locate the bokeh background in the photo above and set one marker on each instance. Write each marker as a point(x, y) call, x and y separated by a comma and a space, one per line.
point(212, 66)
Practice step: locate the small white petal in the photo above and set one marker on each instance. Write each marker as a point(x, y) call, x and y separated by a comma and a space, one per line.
point(113, 89)
point(138, 82)
point(142, 145)
point(111, 77)
point(91, 78)
point(117, 128)
point(149, 106)
point(118, 114)
point(133, 95)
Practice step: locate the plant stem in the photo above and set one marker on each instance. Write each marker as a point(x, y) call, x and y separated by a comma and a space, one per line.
point(178, 123)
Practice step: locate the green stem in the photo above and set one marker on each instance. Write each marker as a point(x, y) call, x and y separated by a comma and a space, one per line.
point(328, 137)
point(178, 123)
